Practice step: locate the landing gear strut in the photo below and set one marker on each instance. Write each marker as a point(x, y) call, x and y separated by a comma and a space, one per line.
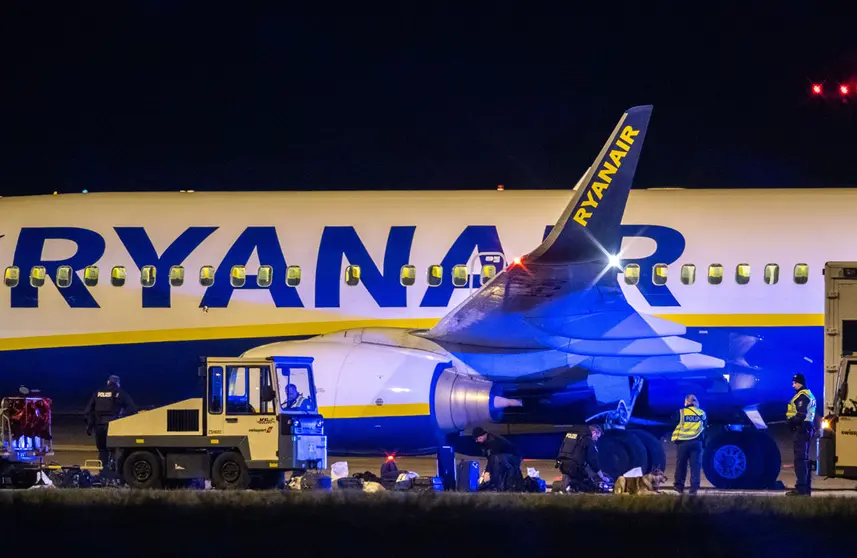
point(622, 450)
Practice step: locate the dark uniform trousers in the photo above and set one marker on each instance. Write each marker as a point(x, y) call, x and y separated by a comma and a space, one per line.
point(689, 451)
point(101, 444)
point(802, 437)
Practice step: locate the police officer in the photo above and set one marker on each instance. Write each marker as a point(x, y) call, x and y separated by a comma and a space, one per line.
point(578, 461)
point(108, 403)
point(688, 436)
point(504, 461)
point(801, 415)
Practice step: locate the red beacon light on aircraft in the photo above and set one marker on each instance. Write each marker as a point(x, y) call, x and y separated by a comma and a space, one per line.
point(843, 89)
point(816, 89)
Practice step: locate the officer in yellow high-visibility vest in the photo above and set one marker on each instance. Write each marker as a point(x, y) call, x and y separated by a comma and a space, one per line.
point(801, 415)
point(688, 436)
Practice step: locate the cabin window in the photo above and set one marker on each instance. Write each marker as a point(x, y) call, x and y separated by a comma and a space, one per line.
point(118, 275)
point(90, 276)
point(176, 276)
point(659, 274)
point(265, 276)
point(147, 276)
point(488, 273)
point(688, 274)
point(293, 276)
point(64, 275)
point(206, 275)
point(37, 276)
point(459, 276)
point(742, 273)
point(632, 274)
point(715, 274)
point(435, 275)
point(801, 273)
point(352, 275)
point(238, 276)
point(408, 275)
point(772, 274)
point(12, 276)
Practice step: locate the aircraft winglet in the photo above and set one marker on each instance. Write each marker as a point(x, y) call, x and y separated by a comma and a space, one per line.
point(588, 229)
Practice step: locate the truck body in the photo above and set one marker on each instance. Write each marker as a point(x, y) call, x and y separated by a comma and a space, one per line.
point(258, 417)
point(837, 442)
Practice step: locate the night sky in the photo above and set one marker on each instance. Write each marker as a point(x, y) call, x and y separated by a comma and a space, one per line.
point(166, 97)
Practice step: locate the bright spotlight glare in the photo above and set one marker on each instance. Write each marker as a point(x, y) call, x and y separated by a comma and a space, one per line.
point(614, 261)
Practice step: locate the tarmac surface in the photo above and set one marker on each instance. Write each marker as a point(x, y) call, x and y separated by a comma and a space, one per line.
point(73, 447)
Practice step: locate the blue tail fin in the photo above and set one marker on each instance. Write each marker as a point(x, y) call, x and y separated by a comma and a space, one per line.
point(589, 227)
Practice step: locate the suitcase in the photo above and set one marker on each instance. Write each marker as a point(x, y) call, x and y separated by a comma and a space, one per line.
point(467, 476)
point(427, 484)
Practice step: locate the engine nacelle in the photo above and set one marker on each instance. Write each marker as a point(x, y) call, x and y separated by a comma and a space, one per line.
point(385, 390)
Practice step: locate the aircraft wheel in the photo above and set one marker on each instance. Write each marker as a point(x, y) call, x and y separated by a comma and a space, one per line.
point(142, 469)
point(637, 454)
point(734, 460)
point(773, 461)
point(657, 457)
point(229, 472)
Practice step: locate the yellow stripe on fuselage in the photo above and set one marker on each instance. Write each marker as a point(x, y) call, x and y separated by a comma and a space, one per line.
point(317, 328)
point(375, 411)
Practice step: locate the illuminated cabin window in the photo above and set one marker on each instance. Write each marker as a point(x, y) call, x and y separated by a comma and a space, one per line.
point(772, 274)
point(293, 276)
point(715, 274)
point(147, 276)
point(742, 273)
point(238, 276)
point(176, 276)
point(118, 275)
point(435, 275)
point(801, 273)
point(488, 273)
point(352, 275)
point(632, 274)
point(12, 276)
point(459, 276)
point(206, 275)
point(659, 274)
point(90, 276)
point(265, 276)
point(64, 276)
point(408, 275)
point(688, 274)
point(37, 276)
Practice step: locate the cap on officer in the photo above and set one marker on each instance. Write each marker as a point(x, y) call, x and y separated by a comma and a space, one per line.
point(478, 431)
point(798, 378)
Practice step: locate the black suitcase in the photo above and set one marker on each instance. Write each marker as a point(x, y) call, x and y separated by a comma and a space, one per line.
point(467, 476)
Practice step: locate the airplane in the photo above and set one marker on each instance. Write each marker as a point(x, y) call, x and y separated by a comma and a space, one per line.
point(429, 313)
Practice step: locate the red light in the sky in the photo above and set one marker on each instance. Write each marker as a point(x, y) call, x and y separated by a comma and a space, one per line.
point(843, 89)
point(816, 89)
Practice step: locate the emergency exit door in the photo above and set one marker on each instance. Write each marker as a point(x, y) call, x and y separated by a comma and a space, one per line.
point(483, 266)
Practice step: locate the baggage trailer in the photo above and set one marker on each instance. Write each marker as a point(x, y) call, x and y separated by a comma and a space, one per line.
point(25, 439)
point(837, 442)
point(258, 418)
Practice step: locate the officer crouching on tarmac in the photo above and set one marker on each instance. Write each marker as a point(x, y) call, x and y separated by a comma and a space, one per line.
point(688, 436)
point(504, 462)
point(801, 415)
point(108, 403)
point(578, 461)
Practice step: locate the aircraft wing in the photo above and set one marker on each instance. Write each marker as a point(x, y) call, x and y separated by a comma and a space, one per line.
point(564, 295)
